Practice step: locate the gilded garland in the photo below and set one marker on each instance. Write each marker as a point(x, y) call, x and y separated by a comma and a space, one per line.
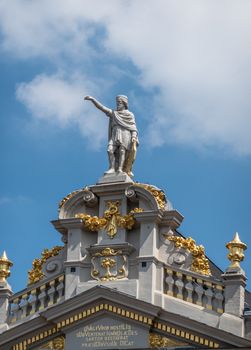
point(36, 274)
point(158, 195)
point(111, 220)
point(66, 198)
point(69, 196)
point(200, 263)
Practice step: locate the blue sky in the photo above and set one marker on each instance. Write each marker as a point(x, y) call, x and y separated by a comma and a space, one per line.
point(185, 67)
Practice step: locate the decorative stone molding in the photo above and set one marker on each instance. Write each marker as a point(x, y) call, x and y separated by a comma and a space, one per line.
point(158, 194)
point(89, 198)
point(66, 198)
point(200, 263)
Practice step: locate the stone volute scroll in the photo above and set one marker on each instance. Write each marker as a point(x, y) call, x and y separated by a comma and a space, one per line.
point(122, 136)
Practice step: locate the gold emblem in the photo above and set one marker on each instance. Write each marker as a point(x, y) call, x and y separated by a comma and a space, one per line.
point(107, 259)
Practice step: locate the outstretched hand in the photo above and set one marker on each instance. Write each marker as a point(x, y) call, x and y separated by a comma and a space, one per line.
point(88, 98)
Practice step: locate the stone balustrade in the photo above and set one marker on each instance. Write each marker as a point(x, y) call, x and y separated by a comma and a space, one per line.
point(36, 298)
point(197, 290)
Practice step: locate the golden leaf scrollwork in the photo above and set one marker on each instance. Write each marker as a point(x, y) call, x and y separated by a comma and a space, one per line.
point(200, 263)
point(36, 273)
point(108, 252)
point(157, 341)
point(158, 195)
point(55, 344)
point(66, 198)
point(111, 220)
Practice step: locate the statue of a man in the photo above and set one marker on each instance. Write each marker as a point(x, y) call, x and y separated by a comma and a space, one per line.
point(122, 135)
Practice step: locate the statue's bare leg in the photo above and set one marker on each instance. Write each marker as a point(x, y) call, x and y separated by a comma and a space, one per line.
point(122, 152)
point(111, 157)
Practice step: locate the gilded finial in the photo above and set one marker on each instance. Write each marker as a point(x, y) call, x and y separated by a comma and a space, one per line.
point(236, 251)
point(5, 265)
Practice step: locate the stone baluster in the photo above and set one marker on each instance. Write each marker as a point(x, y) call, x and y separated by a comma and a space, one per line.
point(15, 310)
point(219, 297)
point(24, 303)
point(180, 285)
point(33, 301)
point(199, 291)
point(169, 282)
point(189, 287)
point(209, 295)
point(51, 292)
point(42, 296)
point(60, 288)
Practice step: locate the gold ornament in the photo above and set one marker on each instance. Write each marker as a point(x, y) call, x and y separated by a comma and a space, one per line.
point(55, 344)
point(158, 195)
point(5, 265)
point(92, 223)
point(236, 251)
point(108, 252)
point(66, 198)
point(111, 221)
point(107, 263)
point(36, 274)
point(157, 341)
point(200, 263)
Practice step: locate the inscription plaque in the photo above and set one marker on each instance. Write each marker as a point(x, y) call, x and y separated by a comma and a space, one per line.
point(107, 333)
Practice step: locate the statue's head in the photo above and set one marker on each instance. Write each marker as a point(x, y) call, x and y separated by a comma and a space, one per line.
point(122, 102)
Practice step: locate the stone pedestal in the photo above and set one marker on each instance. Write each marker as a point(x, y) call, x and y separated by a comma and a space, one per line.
point(235, 282)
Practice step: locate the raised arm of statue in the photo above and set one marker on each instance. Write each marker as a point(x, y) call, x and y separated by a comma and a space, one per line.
point(96, 103)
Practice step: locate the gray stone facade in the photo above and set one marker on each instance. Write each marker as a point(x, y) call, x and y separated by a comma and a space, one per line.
point(125, 278)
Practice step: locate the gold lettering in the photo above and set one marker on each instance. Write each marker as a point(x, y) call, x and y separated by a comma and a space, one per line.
point(103, 335)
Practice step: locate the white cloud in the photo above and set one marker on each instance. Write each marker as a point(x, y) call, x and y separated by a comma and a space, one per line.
point(4, 200)
point(59, 101)
point(197, 53)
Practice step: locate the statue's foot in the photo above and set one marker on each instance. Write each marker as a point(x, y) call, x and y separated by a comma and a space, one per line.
point(110, 171)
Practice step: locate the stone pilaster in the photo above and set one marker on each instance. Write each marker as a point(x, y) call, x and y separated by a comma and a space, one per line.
point(5, 293)
point(74, 255)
